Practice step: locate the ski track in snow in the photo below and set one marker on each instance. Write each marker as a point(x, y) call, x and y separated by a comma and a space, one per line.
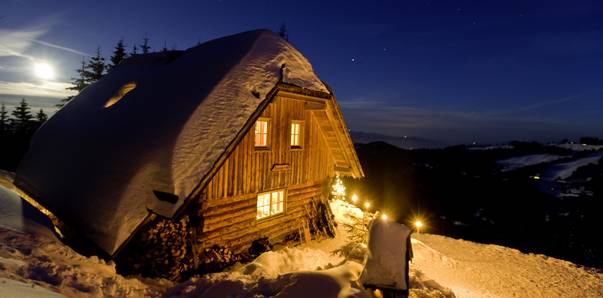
point(33, 263)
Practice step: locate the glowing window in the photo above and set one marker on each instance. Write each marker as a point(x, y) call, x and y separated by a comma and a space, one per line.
point(270, 203)
point(261, 133)
point(120, 94)
point(296, 134)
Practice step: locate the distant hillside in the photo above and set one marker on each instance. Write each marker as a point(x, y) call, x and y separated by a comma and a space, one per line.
point(405, 142)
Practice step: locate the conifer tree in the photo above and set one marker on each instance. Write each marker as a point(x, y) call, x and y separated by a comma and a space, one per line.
point(77, 84)
point(22, 121)
point(282, 32)
point(3, 121)
point(119, 54)
point(134, 49)
point(41, 117)
point(95, 69)
point(145, 45)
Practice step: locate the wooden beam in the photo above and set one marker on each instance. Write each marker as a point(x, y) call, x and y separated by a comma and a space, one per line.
point(315, 106)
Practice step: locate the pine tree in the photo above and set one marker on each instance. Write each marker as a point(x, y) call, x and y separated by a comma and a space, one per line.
point(145, 45)
point(282, 32)
point(3, 121)
point(22, 121)
point(134, 49)
point(41, 117)
point(357, 230)
point(77, 84)
point(119, 54)
point(95, 69)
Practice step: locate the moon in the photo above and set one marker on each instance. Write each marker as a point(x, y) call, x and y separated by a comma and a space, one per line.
point(44, 71)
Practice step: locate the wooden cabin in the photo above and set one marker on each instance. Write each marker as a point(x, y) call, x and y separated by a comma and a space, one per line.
point(265, 181)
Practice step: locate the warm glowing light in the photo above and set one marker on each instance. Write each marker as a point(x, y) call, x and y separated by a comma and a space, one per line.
point(354, 198)
point(338, 189)
point(418, 224)
point(384, 216)
point(367, 205)
point(43, 71)
point(120, 94)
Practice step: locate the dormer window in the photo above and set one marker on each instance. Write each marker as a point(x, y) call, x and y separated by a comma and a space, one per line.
point(120, 94)
point(261, 133)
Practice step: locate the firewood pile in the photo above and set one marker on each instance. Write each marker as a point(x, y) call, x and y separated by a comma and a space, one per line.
point(162, 250)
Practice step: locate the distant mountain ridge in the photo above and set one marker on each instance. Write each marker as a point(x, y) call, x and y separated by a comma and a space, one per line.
point(406, 142)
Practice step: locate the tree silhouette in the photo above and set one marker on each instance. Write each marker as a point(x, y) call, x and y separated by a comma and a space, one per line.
point(4, 128)
point(95, 69)
point(145, 45)
point(283, 32)
point(22, 121)
point(41, 117)
point(119, 54)
point(77, 84)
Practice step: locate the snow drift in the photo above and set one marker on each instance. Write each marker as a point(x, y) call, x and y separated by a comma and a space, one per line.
point(33, 263)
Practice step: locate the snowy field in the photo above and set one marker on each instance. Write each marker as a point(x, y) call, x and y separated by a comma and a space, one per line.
point(580, 147)
point(33, 263)
point(515, 163)
point(566, 169)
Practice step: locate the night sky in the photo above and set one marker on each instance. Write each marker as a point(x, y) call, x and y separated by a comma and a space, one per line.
point(451, 71)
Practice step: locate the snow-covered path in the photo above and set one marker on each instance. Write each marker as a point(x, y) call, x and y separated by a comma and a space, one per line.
point(478, 270)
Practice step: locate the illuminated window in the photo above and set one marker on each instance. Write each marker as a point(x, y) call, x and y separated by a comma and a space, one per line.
point(296, 134)
point(270, 203)
point(261, 133)
point(120, 94)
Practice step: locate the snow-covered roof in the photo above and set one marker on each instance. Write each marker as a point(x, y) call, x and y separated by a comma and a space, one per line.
point(97, 161)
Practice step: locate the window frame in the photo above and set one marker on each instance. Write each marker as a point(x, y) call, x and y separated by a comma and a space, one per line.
point(300, 135)
point(268, 133)
point(283, 192)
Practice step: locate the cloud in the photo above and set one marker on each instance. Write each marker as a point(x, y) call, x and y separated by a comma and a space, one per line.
point(449, 126)
point(16, 42)
point(539, 105)
point(43, 89)
point(60, 47)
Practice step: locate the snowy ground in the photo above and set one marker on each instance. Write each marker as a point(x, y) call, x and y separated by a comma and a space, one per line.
point(580, 147)
point(514, 163)
point(33, 263)
point(553, 178)
point(479, 270)
point(566, 169)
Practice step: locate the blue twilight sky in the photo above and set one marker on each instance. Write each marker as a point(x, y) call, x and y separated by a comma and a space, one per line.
point(452, 71)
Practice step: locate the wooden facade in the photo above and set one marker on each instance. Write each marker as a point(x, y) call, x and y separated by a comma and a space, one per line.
point(303, 172)
point(221, 221)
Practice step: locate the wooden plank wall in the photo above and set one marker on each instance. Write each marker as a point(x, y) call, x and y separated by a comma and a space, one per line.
point(229, 207)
